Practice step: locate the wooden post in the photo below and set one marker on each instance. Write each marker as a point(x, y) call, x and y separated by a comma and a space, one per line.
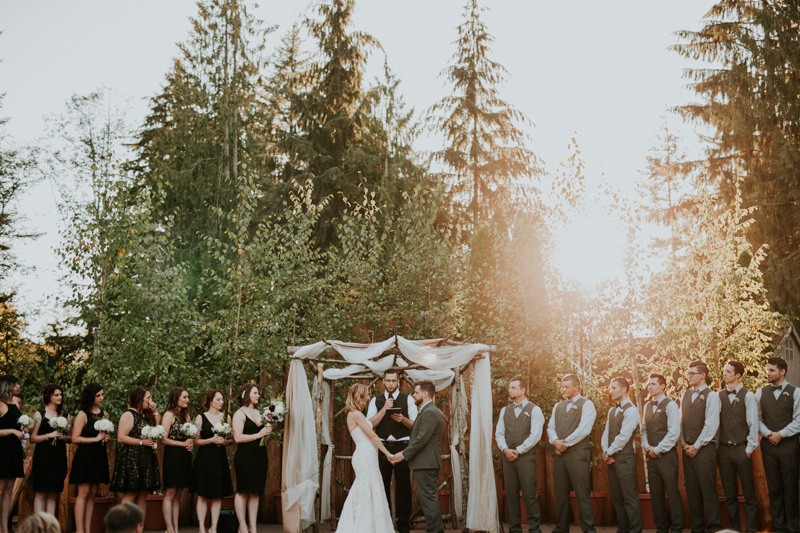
point(320, 458)
point(331, 434)
point(462, 432)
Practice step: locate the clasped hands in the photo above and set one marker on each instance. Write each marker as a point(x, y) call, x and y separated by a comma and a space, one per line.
point(560, 446)
point(395, 458)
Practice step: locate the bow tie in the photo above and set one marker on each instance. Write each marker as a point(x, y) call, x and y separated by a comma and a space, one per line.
point(731, 391)
point(653, 402)
point(516, 405)
point(776, 387)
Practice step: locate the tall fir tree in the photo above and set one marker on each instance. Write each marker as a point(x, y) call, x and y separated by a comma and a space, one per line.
point(209, 123)
point(485, 148)
point(750, 96)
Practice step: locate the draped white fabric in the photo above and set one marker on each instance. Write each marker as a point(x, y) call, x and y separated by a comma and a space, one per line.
point(482, 512)
point(438, 362)
point(300, 468)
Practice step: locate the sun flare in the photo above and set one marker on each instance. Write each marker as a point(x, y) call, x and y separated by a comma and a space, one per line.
point(590, 249)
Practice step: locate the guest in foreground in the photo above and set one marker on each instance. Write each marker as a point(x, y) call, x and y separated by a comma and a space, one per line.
point(90, 464)
point(136, 469)
point(779, 413)
point(50, 456)
point(250, 460)
point(568, 431)
point(519, 429)
point(738, 439)
point(212, 476)
point(177, 459)
point(661, 428)
point(124, 518)
point(620, 456)
point(10, 448)
point(40, 522)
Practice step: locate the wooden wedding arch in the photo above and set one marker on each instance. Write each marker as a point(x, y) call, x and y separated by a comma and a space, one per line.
point(308, 448)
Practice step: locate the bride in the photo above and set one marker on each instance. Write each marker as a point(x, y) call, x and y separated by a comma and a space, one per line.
point(366, 508)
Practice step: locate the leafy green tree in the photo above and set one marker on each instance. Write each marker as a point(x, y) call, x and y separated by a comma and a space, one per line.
point(485, 149)
point(748, 90)
point(710, 303)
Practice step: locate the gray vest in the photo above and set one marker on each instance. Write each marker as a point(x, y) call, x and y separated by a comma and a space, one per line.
point(733, 418)
point(615, 426)
point(657, 423)
point(518, 428)
point(693, 414)
point(567, 422)
point(777, 414)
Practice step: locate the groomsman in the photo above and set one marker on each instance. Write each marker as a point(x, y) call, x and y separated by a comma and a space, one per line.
point(519, 429)
point(620, 456)
point(394, 429)
point(738, 438)
point(779, 415)
point(568, 431)
point(661, 428)
point(699, 426)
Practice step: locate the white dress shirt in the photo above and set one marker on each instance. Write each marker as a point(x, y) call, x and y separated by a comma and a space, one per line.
point(537, 425)
point(372, 410)
point(673, 426)
point(711, 424)
point(630, 421)
point(588, 415)
point(793, 427)
point(751, 415)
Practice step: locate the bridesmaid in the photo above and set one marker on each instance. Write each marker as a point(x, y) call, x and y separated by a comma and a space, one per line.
point(50, 455)
point(90, 464)
point(250, 460)
point(177, 456)
point(10, 447)
point(136, 468)
point(212, 474)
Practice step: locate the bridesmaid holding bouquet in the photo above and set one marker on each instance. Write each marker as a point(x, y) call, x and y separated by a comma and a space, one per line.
point(50, 456)
point(178, 446)
point(211, 471)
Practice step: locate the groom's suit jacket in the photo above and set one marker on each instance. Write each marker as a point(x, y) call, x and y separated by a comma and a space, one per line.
point(424, 447)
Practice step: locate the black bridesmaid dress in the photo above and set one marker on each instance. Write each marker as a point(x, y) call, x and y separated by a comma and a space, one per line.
point(10, 446)
point(212, 476)
point(49, 461)
point(250, 462)
point(136, 468)
point(90, 464)
point(177, 460)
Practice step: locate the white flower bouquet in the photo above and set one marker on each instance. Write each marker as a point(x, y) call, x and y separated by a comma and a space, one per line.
point(153, 432)
point(26, 423)
point(59, 424)
point(221, 429)
point(104, 425)
point(189, 429)
point(274, 413)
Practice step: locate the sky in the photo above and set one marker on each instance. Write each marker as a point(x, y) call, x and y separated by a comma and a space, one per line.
point(601, 72)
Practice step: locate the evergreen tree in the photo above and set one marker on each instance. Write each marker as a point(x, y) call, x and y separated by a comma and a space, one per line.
point(750, 96)
point(209, 123)
point(485, 149)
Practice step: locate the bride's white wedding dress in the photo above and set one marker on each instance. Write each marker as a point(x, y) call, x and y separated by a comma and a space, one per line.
point(365, 509)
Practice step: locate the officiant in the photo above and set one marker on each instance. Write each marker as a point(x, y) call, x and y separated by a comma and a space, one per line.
point(392, 415)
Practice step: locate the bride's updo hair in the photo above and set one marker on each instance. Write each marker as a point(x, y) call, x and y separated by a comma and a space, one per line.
point(357, 397)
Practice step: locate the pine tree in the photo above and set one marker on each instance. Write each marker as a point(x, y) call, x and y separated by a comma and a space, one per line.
point(750, 97)
point(485, 148)
point(209, 123)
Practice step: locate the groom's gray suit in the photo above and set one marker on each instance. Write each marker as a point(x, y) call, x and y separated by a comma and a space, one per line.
point(424, 457)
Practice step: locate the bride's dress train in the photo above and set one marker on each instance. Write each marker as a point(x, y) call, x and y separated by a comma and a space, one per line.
point(365, 509)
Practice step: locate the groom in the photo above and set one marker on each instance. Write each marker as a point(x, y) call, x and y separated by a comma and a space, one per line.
point(424, 455)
